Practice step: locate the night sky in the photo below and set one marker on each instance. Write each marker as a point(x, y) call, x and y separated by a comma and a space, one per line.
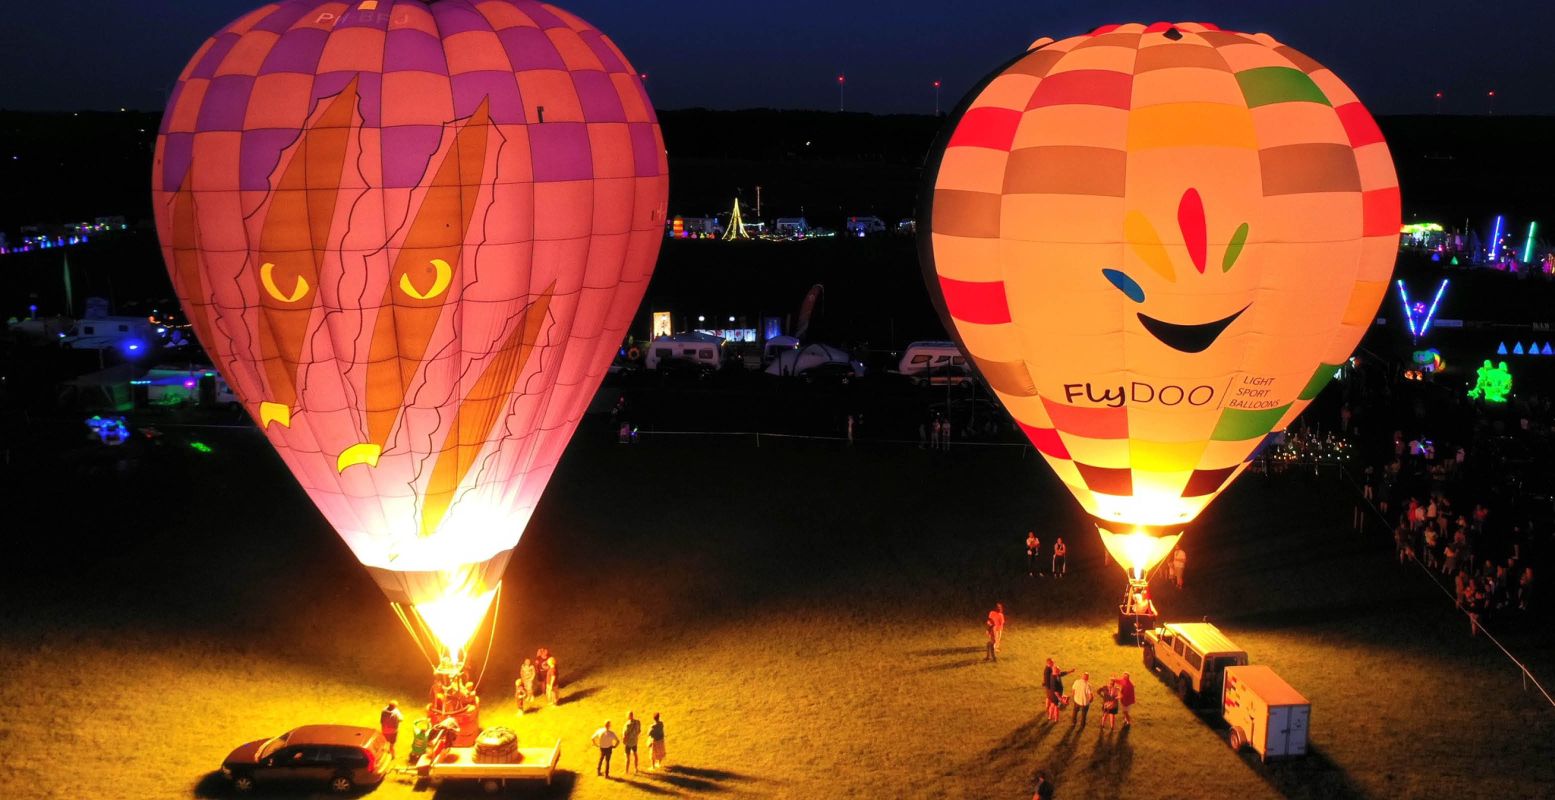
point(107, 54)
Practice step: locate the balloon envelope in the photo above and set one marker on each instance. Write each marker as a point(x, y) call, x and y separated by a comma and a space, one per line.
point(1157, 243)
point(411, 236)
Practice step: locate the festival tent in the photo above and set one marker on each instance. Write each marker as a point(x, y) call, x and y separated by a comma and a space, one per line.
point(795, 362)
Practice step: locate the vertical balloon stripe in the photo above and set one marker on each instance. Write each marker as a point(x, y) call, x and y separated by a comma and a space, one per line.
point(1190, 218)
point(294, 239)
point(478, 412)
point(406, 322)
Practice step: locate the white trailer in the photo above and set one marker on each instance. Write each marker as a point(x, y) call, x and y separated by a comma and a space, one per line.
point(1265, 712)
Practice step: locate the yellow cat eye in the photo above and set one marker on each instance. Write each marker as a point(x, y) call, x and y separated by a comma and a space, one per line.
point(445, 276)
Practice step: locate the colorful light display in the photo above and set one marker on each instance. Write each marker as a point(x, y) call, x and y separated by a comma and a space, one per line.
point(1492, 383)
point(1158, 243)
point(411, 236)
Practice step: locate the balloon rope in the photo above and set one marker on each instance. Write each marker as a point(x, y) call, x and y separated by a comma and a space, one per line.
point(496, 605)
point(399, 611)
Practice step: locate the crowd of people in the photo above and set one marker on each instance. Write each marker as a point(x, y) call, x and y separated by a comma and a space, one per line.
point(607, 740)
point(1114, 697)
point(1434, 495)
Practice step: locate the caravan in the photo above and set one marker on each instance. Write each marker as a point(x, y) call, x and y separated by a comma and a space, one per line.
point(934, 363)
point(694, 347)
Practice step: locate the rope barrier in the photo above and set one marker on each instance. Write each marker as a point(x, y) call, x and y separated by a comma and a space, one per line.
point(1527, 674)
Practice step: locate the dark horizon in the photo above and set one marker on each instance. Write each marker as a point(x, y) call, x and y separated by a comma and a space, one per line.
point(74, 55)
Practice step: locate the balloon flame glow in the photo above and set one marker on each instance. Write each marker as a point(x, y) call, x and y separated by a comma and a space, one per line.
point(454, 618)
point(1137, 552)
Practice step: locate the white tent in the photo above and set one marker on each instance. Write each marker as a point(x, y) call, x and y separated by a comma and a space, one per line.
point(794, 362)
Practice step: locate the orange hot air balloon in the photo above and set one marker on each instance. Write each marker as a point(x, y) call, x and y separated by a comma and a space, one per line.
point(1157, 243)
point(411, 236)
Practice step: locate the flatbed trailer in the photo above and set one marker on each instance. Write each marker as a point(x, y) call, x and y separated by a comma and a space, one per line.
point(458, 763)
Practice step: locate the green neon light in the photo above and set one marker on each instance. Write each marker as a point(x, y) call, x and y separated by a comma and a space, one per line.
point(1528, 246)
point(1494, 384)
point(1419, 228)
point(205, 448)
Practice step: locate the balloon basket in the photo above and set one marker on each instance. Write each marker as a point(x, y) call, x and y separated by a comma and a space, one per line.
point(1136, 613)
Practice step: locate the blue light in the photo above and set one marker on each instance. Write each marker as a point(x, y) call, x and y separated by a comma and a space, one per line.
point(1430, 315)
point(1518, 350)
point(1501, 349)
point(1495, 240)
point(1409, 313)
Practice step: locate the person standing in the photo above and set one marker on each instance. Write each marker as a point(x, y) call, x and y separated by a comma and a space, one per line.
point(1033, 549)
point(656, 742)
point(996, 622)
point(1044, 787)
point(1108, 695)
point(606, 740)
point(1055, 692)
point(1126, 699)
point(1081, 694)
point(629, 737)
point(540, 656)
point(389, 724)
point(550, 679)
point(1179, 563)
point(526, 684)
point(990, 654)
point(1060, 557)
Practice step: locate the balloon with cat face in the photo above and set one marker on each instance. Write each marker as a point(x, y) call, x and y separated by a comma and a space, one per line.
point(1157, 243)
point(411, 236)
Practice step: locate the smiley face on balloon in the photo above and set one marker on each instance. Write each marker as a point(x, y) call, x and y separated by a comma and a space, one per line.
point(1157, 242)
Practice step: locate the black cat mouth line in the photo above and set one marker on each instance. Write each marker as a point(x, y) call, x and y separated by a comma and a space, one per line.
point(1188, 338)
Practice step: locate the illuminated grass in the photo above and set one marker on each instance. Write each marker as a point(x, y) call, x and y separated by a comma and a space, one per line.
point(823, 640)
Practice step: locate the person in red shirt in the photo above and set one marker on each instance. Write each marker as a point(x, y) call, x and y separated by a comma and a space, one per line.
point(996, 619)
point(1126, 699)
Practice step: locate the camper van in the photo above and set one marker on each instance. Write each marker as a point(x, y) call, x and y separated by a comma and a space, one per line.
point(934, 362)
point(865, 226)
point(132, 334)
point(701, 348)
point(1193, 656)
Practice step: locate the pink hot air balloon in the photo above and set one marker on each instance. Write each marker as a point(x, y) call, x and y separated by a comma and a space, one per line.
point(411, 235)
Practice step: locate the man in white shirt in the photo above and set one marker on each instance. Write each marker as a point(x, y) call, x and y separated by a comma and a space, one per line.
point(1080, 690)
point(606, 740)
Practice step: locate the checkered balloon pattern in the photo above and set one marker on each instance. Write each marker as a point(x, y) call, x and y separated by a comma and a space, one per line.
point(1158, 243)
point(411, 236)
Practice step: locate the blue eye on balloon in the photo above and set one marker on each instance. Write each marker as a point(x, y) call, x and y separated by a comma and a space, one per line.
point(1125, 284)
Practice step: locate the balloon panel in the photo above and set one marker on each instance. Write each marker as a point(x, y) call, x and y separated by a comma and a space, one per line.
point(411, 237)
point(1157, 243)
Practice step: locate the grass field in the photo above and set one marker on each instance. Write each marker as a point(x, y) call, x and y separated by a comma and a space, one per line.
point(806, 616)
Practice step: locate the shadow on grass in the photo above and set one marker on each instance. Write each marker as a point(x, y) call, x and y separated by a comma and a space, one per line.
point(1316, 775)
point(696, 779)
point(575, 696)
point(561, 786)
point(945, 651)
point(212, 785)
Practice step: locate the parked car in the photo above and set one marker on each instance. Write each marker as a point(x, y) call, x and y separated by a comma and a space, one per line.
point(1194, 655)
point(342, 757)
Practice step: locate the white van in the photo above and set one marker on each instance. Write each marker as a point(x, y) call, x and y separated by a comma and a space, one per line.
point(934, 362)
point(701, 348)
point(1194, 656)
point(1265, 712)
